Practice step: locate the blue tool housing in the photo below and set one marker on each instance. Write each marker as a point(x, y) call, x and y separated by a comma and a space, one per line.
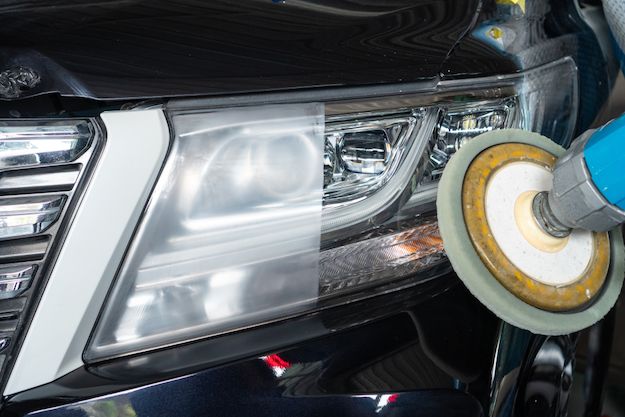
point(605, 158)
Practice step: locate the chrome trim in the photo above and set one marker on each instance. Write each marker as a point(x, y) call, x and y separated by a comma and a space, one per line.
point(42, 143)
point(33, 180)
point(15, 280)
point(27, 216)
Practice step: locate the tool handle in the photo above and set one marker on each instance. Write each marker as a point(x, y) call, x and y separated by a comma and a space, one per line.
point(604, 154)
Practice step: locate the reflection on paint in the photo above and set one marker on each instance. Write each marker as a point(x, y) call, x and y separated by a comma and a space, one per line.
point(277, 364)
point(119, 407)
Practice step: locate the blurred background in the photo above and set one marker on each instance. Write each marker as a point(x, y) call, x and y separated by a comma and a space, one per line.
point(606, 341)
point(616, 104)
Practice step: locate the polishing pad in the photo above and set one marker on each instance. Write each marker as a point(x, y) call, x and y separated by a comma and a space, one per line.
point(528, 278)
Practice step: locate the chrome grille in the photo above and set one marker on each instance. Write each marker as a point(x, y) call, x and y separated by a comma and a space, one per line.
point(43, 163)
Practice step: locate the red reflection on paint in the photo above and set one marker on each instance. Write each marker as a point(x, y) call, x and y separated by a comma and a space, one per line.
point(393, 397)
point(275, 361)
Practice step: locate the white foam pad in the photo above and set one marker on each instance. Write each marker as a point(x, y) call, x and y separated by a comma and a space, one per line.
point(552, 268)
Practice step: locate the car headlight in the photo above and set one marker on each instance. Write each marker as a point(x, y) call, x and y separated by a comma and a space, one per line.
point(263, 211)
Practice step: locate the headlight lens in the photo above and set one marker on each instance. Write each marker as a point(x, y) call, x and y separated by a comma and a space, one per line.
point(261, 211)
point(234, 231)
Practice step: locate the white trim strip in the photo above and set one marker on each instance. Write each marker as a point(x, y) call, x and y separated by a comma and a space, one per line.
point(134, 152)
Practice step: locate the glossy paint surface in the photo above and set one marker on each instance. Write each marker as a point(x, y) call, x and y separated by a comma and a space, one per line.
point(547, 377)
point(131, 50)
point(416, 362)
point(157, 402)
point(118, 49)
point(439, 361)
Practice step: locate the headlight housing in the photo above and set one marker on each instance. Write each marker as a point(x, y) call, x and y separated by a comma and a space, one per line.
point(265, 211)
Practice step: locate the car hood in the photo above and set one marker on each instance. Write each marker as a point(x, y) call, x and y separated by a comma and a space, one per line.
point(136, 49)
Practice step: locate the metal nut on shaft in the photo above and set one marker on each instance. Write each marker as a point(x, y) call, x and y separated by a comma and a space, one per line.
point(545, 218)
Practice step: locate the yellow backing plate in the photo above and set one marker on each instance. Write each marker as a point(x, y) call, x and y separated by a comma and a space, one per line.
point(546, 297)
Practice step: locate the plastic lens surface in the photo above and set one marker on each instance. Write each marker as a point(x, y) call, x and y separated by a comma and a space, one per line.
point(385, 257)
point(232, 235)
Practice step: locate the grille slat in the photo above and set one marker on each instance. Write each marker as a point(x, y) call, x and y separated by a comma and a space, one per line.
point(38, 180)
point(23, 250)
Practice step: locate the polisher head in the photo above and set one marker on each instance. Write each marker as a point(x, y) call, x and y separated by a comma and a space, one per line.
point(531, 279)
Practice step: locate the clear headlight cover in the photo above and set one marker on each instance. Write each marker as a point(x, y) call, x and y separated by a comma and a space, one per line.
point(264, 211)
point(233, 234)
